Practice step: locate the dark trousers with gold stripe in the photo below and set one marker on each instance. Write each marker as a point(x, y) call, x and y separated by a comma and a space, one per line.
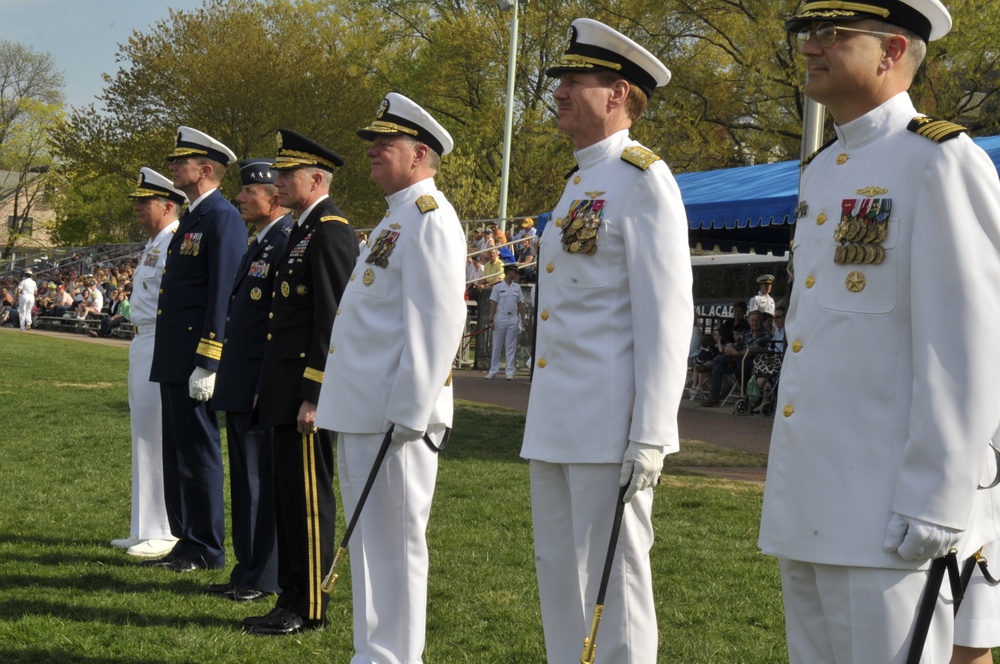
point(306, 513)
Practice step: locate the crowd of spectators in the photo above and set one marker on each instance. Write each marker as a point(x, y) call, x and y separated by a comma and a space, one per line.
point(64, 292)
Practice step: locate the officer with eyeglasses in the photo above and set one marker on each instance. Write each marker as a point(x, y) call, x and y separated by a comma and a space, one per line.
point(886, 409)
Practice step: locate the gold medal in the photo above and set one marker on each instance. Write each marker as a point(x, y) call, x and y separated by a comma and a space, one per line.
point(285, 289)
point(574, 247)
point(577, 224)
point(838, 255)
point(859, 253)
point(301, 289)
point(369, 277)
point(871, 231)
point(879, 254)
point(255, 294)
point(869, 250)
point(882, 232)
point(591, 250)
point(849, 252)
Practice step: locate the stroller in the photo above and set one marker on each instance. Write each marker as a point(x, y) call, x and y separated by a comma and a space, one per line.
point(760, 394)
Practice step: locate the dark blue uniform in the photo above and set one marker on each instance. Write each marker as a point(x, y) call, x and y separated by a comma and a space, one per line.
point(251, 457)
point(190, 319)
point(311, 277)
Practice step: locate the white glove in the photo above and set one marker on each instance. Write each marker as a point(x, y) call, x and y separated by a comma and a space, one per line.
point(641, 468)
point(201, 384)
point(914, 539)
point(401, 434)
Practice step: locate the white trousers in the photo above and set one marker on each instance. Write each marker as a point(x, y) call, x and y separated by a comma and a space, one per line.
point(860, 615)
point(977, 624)
point(572, 507)
point(24, 305)
point(149, 510)
point(388, 549)
point(505, 331)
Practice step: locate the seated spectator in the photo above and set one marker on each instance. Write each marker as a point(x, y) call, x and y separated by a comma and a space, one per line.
point(473, 277)
point(7, 306)
point(62, 303)
point(778, 335)
point(710, 348)
point(119, 313)
point(526, 260)
point(737, 325)
point(492, 269)
point(499, 237)
point(91, 302)
point(737, 357)
point(527, 230)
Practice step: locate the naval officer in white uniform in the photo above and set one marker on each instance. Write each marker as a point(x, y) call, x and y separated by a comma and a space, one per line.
point(882, 436)
point(157, 208)
point(397, 332)
point(614, 326)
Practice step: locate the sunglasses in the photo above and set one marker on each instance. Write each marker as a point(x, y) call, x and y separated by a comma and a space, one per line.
point(826, 33)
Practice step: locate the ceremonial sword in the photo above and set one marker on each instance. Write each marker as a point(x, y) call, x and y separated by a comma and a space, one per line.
point(590, 642)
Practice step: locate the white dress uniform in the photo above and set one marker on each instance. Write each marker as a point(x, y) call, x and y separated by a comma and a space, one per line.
point(149, 511)
point(611, 360)
point(761, 302)
point(399, 326)
point(506, 325)
point(26, 301)
point(888, 403)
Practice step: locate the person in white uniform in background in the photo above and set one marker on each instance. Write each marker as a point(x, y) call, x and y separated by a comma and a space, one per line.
point(615, 314)
point(762, 301)
point(157, 208)
point(886, 407)
point(399, 326)
point(25, 293)
point(507, 318)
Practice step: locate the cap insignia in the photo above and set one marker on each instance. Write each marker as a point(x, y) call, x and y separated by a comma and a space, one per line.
point(382, 109)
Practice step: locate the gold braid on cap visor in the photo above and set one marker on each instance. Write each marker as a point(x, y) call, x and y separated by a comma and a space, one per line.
point(811, 9)
point(302, 158)
point(382, 127)
point(582, 61)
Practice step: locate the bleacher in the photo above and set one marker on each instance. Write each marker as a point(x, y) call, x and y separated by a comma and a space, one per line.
point(74, 325)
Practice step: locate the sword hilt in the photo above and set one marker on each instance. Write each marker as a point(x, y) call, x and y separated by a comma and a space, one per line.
point(331, 576)
point(590, 642)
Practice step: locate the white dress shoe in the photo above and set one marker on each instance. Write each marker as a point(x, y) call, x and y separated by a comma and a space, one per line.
point(125, 543)
point(151, 548)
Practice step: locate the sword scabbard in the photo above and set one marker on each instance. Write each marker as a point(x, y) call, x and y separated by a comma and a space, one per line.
point(331, 576)
point(590, 642)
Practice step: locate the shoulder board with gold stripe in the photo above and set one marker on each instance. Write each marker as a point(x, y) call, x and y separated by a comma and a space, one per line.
point(938, 131)
point(639, 157)
point(332, 217)
point(426, 203)
point(808, 159)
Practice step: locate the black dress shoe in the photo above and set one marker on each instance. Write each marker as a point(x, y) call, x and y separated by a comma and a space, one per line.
point(182, 565)
point(279, 622)
point(242, 594)
point(220, 589)
point(159, 562)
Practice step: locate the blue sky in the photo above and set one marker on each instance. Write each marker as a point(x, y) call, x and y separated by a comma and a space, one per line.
point(82, 35)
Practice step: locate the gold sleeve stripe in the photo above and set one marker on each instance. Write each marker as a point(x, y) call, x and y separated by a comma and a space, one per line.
point(314, 375)
point(210, 349)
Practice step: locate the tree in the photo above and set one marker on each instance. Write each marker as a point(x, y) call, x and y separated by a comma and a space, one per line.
point(30, 107)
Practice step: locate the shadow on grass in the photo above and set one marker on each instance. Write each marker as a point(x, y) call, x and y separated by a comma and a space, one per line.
point(34, 656)
point(72, 611)
point(103, 581)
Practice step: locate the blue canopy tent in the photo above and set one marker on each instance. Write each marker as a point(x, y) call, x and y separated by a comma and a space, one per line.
point(753, 207)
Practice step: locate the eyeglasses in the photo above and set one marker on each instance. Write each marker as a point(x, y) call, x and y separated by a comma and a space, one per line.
point(826, 33)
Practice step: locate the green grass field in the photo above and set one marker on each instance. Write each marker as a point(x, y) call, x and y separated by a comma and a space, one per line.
point(66, 596)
